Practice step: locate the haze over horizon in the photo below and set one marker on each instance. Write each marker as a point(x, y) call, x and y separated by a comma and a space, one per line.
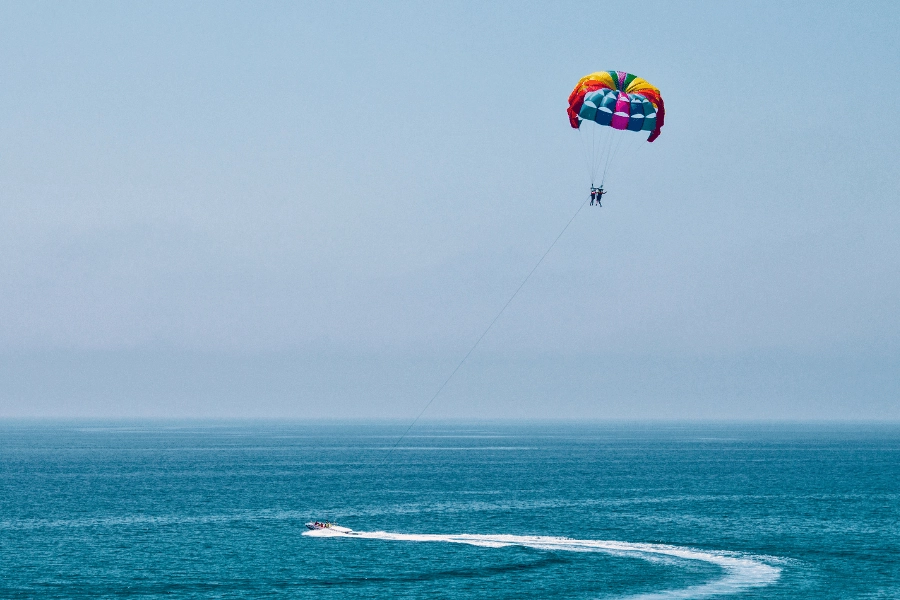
point(288, 210)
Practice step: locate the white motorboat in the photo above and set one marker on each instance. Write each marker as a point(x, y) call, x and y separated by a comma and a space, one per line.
point(314, 525)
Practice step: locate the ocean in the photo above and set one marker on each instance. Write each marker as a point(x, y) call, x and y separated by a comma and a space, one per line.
point(456, 510)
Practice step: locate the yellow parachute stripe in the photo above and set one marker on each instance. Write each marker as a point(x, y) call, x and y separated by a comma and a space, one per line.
point(601, 76)
point(639, 84)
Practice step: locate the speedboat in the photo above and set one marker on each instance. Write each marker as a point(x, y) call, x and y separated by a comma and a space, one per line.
point(314, 525)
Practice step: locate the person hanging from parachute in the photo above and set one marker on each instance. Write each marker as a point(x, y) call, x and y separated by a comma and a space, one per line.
point(619, 101)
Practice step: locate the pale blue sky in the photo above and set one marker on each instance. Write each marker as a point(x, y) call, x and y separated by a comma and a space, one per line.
point(288, 210)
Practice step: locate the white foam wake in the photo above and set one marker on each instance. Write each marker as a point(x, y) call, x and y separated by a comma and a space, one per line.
point(739, 572)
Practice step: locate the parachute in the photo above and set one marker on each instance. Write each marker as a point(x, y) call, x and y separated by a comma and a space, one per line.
point(615, 103)
point(617, 99)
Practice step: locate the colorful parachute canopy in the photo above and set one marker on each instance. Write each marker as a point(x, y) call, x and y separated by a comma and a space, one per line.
point(617, 99)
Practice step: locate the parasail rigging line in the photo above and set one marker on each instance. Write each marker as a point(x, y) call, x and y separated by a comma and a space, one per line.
point(608, 137)
point(484, 333)
point(588, 156)
point(609, 155)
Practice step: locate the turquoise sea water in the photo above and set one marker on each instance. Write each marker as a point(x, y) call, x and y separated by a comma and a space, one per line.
point(458, 510)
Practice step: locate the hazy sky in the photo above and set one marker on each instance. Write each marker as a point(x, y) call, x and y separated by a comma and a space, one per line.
point(287, 210)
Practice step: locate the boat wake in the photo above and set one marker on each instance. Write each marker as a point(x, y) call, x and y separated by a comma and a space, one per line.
point(740, 573)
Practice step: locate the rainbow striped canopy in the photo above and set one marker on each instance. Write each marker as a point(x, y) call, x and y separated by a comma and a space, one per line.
point(619, 100)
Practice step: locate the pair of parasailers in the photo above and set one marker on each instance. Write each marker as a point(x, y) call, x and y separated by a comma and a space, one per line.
point(597, 195)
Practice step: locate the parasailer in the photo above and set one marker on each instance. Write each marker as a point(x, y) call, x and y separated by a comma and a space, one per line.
point(616, 104)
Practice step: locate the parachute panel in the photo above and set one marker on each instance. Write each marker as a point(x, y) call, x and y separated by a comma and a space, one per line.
point(636, 117)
